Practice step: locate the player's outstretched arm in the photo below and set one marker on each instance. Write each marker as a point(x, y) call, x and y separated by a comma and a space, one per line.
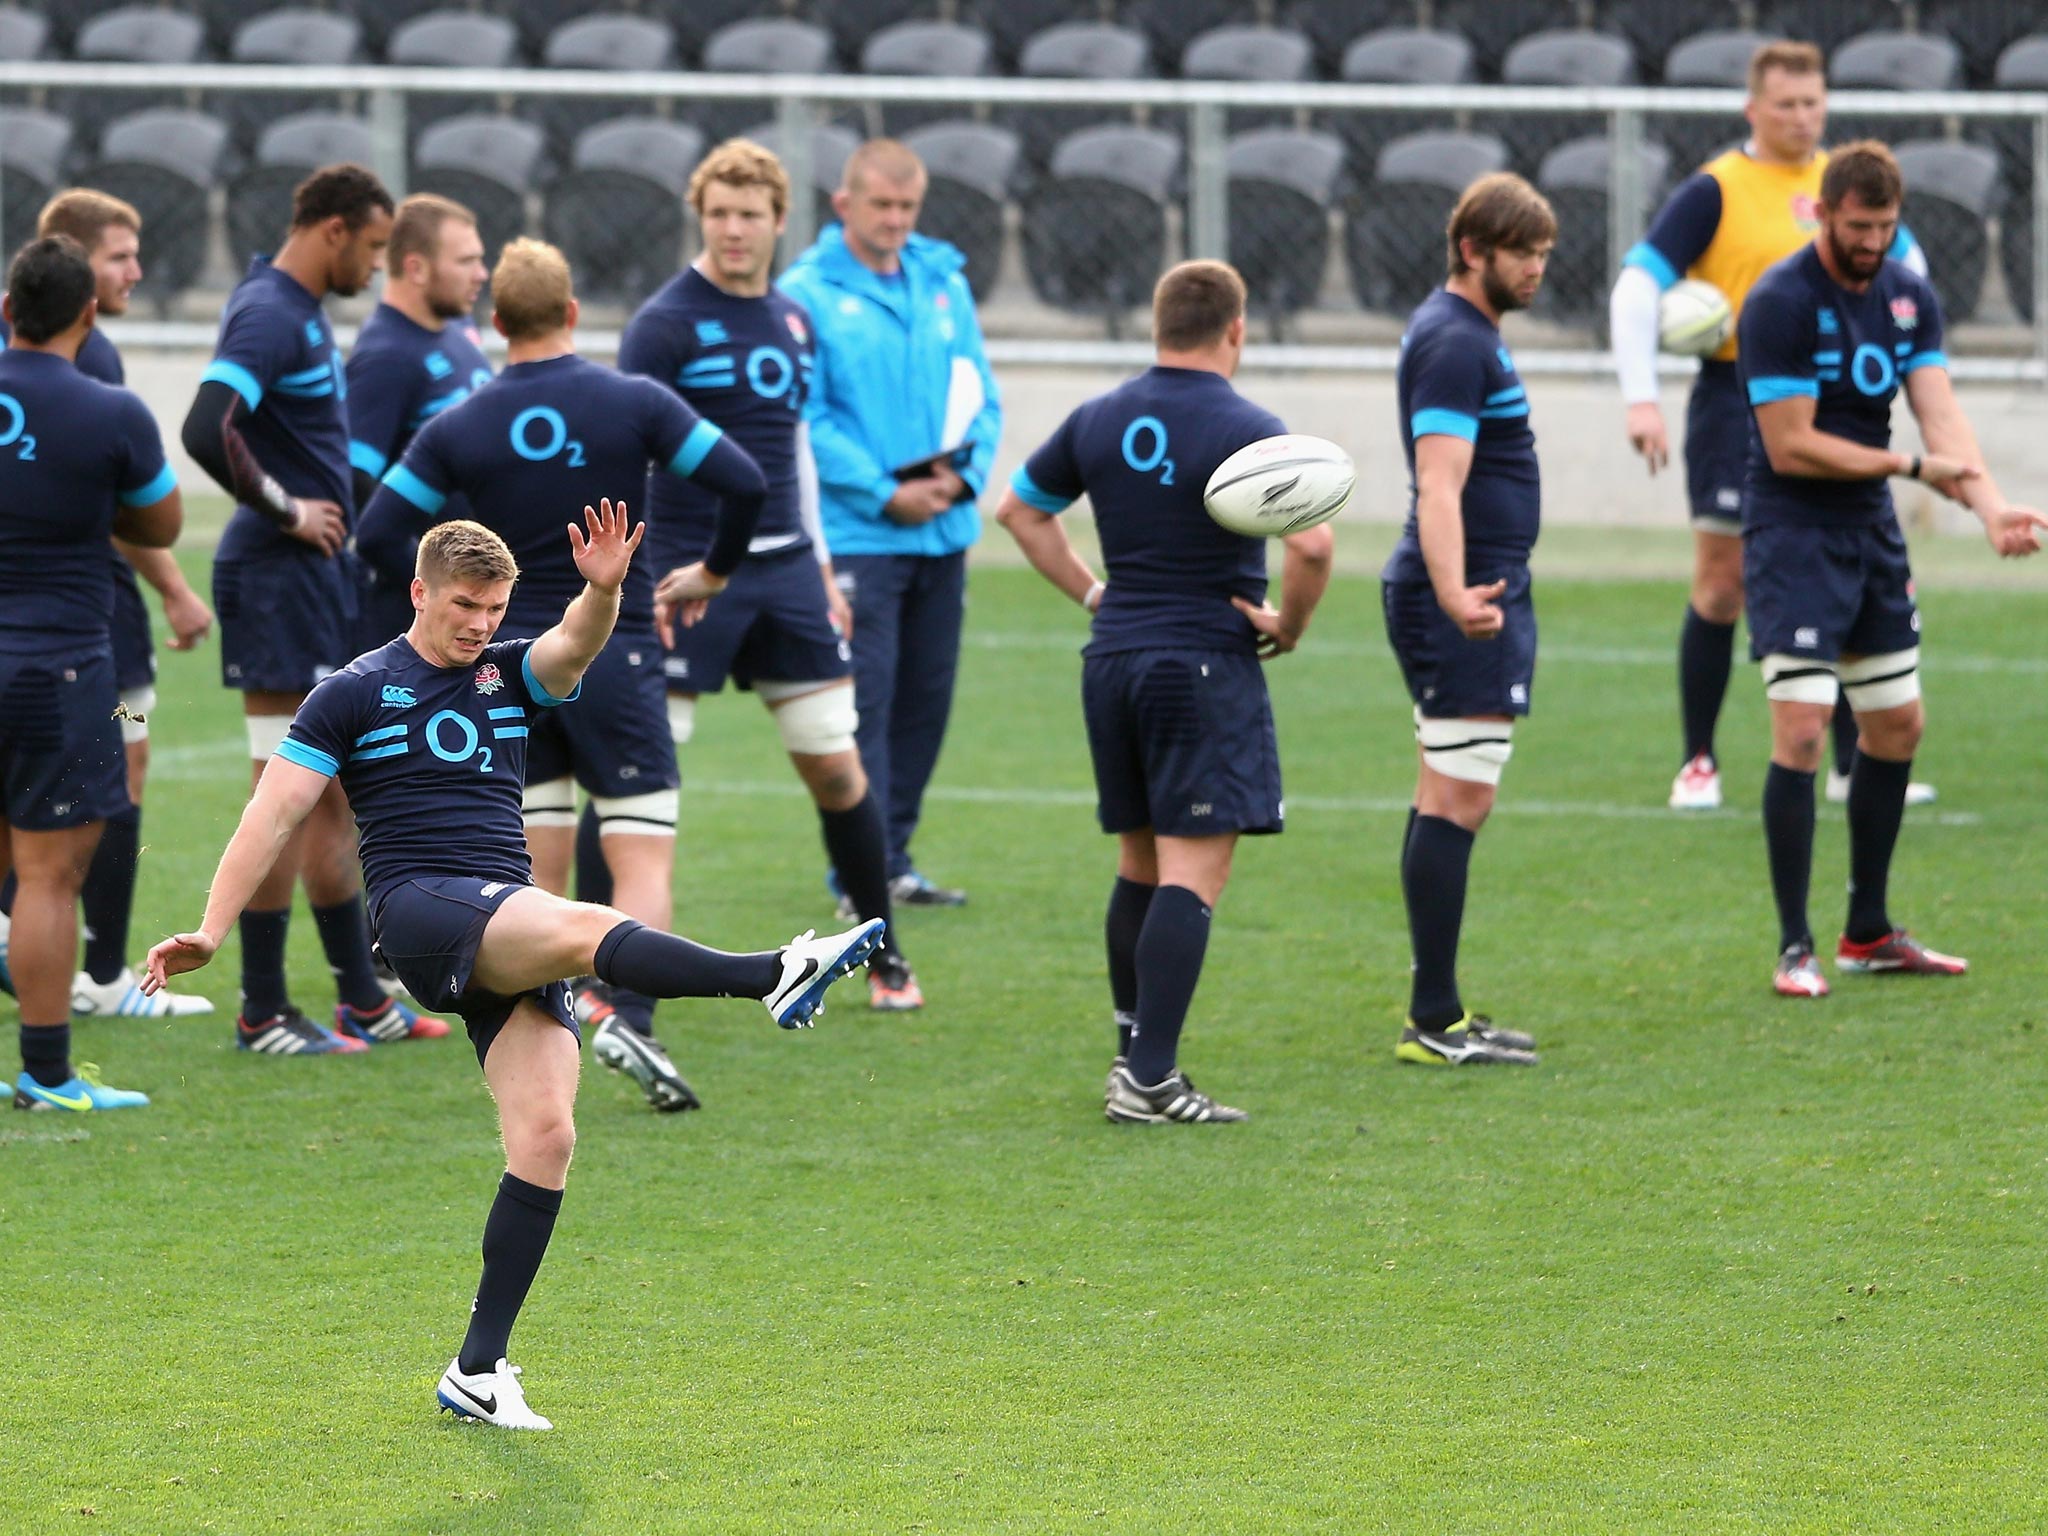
point(603, 550)
point(1949, 437)
point(1043, 538)
point(284, 797)
point(1305, 564)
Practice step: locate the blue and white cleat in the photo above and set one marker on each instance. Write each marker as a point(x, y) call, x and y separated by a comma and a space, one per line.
point(488, 1397)
point(811, 964)
point(123, 998)
point(84, 1093)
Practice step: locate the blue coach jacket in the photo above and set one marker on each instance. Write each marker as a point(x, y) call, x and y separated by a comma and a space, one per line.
point(885, 352)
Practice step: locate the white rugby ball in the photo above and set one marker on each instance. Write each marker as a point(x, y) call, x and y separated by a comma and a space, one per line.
point(1280, 485)
point(1693, 318)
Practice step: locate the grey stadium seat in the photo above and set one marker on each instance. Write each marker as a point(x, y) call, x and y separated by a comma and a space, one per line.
point(384, 19)
point(609, 43)
point(1173, 24)
point(2022, 67)
point(1827, 23)
point(260, 198)
point(1393, 239)
point(1250, 54)
point(1397, 56)
point(1574, 177)
point(35, 149)
point(1495, 26)
point(1952, 195)
point(1076, 51)
point(972, 169)
point(454, 40)
point(1095, 227)
point(130, 35)
point(1557, 58)
point(617, 212)
point(855, 23)
point(1983, 30)
point(1011, 24)
point(1718, 58)
point(930, 48)
point(1334, 26)
point(486, 162)
point(23, 34)
point(1653, 30)
point(290, 36)
point(1283, 184)
point(1892, 61)
point(776, 46)
point(165, 162)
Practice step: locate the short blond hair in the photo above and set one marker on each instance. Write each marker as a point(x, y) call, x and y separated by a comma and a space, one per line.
point(1793, 58)
point(464, 551)
point(530, 289)
point(83, 215)
point(416, 230)
point(741, 163)
point(891, 159)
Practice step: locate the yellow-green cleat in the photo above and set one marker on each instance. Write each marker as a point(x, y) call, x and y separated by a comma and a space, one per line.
point(1475, 1040)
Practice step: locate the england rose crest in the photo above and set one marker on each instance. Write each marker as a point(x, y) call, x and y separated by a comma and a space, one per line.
point(1905, 313)
point(488, 678)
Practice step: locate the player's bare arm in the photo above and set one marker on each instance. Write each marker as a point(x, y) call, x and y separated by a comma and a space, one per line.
point(1795, 446)
point(184, 609)
point(284, 797)
point(155, 526)
point(1043, 538)
point(1442, 465)
point(1306, 560)
point(603, 551)
point(1948, 434)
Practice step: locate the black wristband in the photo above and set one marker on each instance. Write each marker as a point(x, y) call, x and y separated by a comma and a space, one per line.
point(1913, 469)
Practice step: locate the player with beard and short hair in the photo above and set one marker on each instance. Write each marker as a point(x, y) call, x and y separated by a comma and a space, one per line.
point(1828, 338)
point(1456, 591)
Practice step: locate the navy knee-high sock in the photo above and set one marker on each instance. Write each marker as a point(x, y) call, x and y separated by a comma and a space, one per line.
point(108, 895)
point(46, 1053)
point(667, 965)
point(1129, 901)
point(8, 887)
point(857, 843)
point(263, 939)
point(515, 1240)
point(1877, 803)
point(1169, 953)
point(593, 875)
point(1433, 875)
point(1788, 836)
point(1706, 655)
point(345, 937)
point(1845, 732)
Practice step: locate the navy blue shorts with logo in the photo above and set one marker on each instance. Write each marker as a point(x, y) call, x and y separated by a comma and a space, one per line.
point(286, 620)
point(134, 647)
point(1183, 742)
point(613, 736)
point(61, 763)
point(430, 930)
point(1450, 677)
point(1717, 428)
point(1828, 592)
point(770, 622)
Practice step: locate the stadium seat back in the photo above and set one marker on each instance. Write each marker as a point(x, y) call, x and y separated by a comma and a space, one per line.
point(1983, 30)
point(190, 143)
point(2023, 66)
point(505, 148)
point(383, 20)
point(1397, 56)
point(1440, 159)
point(23, 34)
point(623, 231)
point(984, 156)
point(932, 48)
point(454, 40)
point(1896, 61)
point(1653, 30)
point(1311, 163)
point(1570, 58)
point(777, 46)
point(661, 151)
point(1011, 24)
point(1719, 58)
point(1574, 177)
point(165, 163)
point(1146, 160)
point(316, 139)
point(970, 216)
point(1283, 184)
point(1075, 51)
point(1826, 23)
point(1334, 26)
point(1393, 234)
point(35, 141)
point(1953, 192)
point(141, 35)
point(1248, 53)
point(296, 36)
point(1495, 26)
point(1094, 245)
point(1173, 24)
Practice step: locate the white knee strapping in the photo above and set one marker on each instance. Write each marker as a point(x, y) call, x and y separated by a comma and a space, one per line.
point(1473, 750)
point(266, 734)
point(650, 815)
point(1799, 680)
point(552, 804)
point(1882, 682)
point(136, 704)
point(815, 720)
point(682, 717)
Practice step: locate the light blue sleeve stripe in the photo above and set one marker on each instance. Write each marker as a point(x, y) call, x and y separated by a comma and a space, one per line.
point(1651, 260)
point(1924, 360)
point(1032, 494)
point(307, 757)
point(1764, 391)
point(1503, 396)
point(702, 439)
point(362, 456)
point(166, 481)
point(416, 490)
point(237, 378)
point(534, 690)
point(1442, 423)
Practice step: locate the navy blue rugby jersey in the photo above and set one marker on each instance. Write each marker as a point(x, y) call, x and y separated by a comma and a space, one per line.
point(1804, 334)
point(400, 375)
point(433, 759)
point(1142, 454)
point(72, 452)
point(530, 450)
point(744, 363)
point(276, 350)
point(1457, 378)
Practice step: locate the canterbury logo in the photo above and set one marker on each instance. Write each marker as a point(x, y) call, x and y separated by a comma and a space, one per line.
point(1274, 492)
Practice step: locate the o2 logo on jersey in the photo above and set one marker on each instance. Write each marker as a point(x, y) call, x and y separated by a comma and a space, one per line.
point(1871, 370)
point(15, 433)
point(539, 433)
point(1151, 431)
point(771, 374)
point(464, 744)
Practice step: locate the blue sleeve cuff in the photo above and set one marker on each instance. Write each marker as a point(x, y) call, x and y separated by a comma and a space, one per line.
point(1764, 391)
point(1924, 360)
point(534, 691)
point(1441, 423)
point(307, 757)
point(166, 481)
point(237, 378)
point(702, 439)
point(1032, 494)
point(416, 490)
point(362, 456)
point(1651, 260)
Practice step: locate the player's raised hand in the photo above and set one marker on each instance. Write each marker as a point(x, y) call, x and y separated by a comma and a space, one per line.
point(180, 953)
point(1276, 637)
point(682, 596)
point(2015, 531)
point(1646, 434)
point(1947, 475)
point(189, 617)
point(318, 523)
point(1474, 610)
point(603, 557)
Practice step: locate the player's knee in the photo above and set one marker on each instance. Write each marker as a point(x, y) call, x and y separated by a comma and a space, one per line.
point(1717, 598)
point(814, 721)
point(836, 782)
point(1471, 752)
point(552, 804)
point(682, 717)
point(545, 1143)
point(652, 814)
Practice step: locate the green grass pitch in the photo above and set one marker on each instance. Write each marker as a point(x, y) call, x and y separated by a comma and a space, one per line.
point(1719, 1264)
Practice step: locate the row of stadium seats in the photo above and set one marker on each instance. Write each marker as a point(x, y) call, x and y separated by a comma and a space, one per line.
point(1621, 41)
point(1095, 225)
